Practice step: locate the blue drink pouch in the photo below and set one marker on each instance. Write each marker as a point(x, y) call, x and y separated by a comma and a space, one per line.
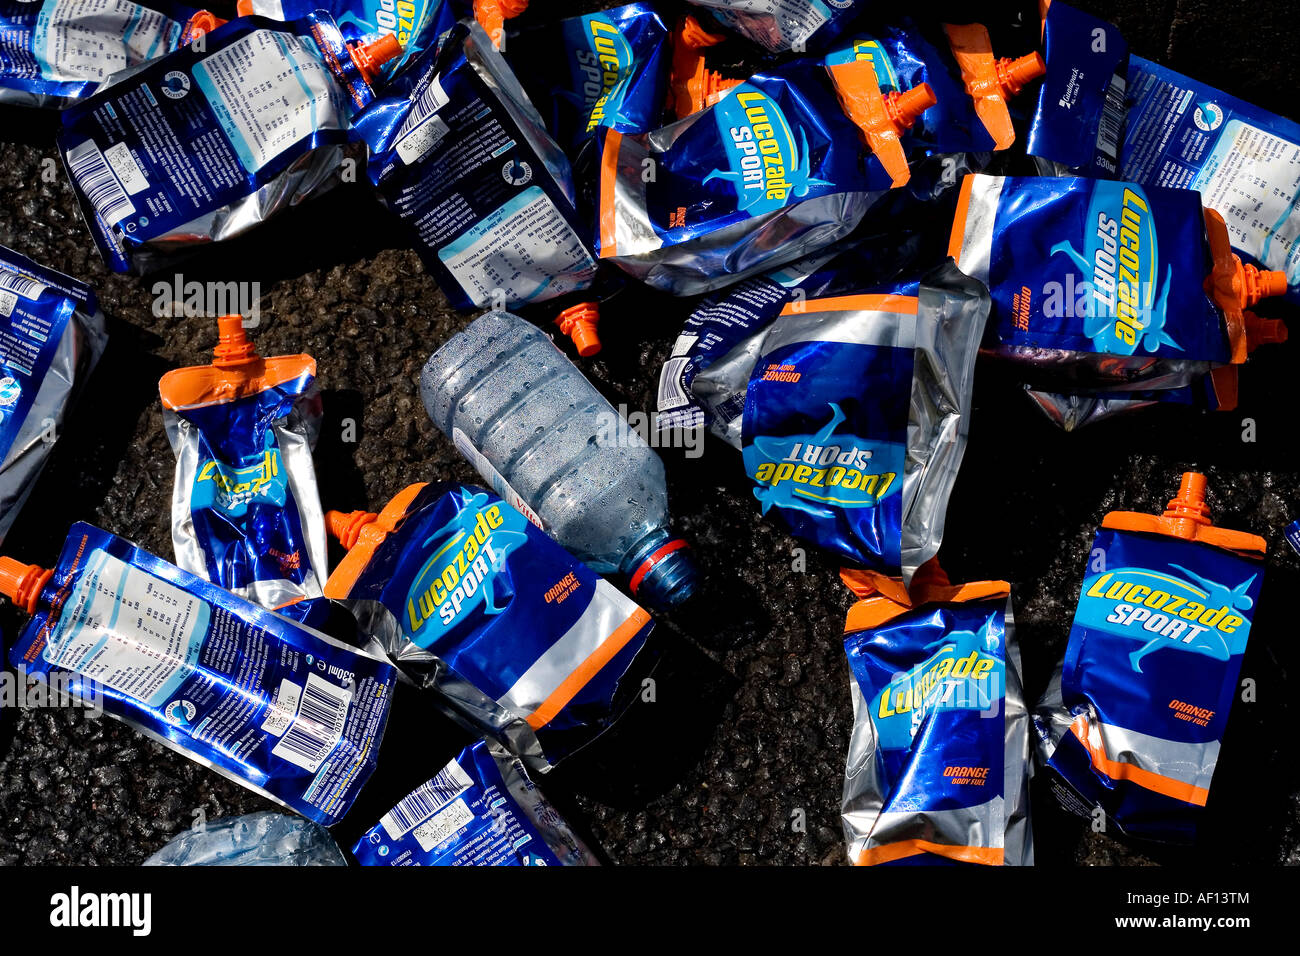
point(54, 52)
point(458, 152)
point(51, 337)
point(416, 24)
point(1104, 113)
point(479, 810)
point(1244, 161)
point(781, 25)
point(855, 415)
point(1077, 127)
point(1133, 721)
point(203, 144)
point(518, 638)
point(939, 757)
point(971, 86)
point(783, 165)
point(283, 710)
point(246, 514)
point(1102, 284)
point(615, 76)
point(729, 317)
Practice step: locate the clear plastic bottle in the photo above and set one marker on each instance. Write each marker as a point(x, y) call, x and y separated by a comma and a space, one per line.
point(552, 446)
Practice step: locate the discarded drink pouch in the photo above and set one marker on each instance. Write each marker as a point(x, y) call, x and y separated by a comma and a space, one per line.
point(479, 810)
point(1095, 282)
point(786, 163)
point(279, 708)
point(417, 24)
point(255, 839)
point(246, 514)
point(971, 87)
point(856, 409)
point(714, 328)
point(1182, 133)
point(930, 777)
point(732, 315)
point(54, 52)
point(51, 337)
point(781, 25)
point(202, 146)
point(615, 72)
point(1133, 720)
point(520, 639)
point(1077, 127)
point(463, 158)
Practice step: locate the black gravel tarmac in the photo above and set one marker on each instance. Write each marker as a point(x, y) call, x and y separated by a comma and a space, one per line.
point(739, 759)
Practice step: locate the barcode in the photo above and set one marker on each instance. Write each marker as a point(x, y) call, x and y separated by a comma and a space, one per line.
point(671, 393)
point(1112, 117)
point(686, 419)
point(431, 100)
point(98, 183)
point(426, 800)
point(317, 727)
point(21, 285)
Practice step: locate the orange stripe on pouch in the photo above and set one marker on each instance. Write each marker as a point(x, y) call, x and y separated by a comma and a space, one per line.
point(906, 304)
point(588, 669)
point(986, 855)
point(608, 180)
point(1148, 780)
point(959, 220)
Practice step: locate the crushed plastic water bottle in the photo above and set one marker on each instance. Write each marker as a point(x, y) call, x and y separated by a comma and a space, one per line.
point(552, 446)
point(257, 839)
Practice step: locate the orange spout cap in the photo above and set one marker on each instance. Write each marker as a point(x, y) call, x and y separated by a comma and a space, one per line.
point(1189, 504)
point(1235, 286)
point(244, 8)
point(692, 85)
point(1187, 517)
point(347, 527)
point(1263, 331)
point(1261, 284)
point(233, 347)
point(203, 22)
point(370, 57)
point(578, 322)
point(1015, 75)
point(23, 583)
point(694, 35)
point(905, 107)
point(492, 15)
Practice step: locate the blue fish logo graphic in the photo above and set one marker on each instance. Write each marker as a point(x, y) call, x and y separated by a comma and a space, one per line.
point(1167, 611)
point(601, 67)
point(464, 572)
point(812, 474)
point(962, 673)
point(1210, 642)
point(766, 167)
point(1128, 306)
